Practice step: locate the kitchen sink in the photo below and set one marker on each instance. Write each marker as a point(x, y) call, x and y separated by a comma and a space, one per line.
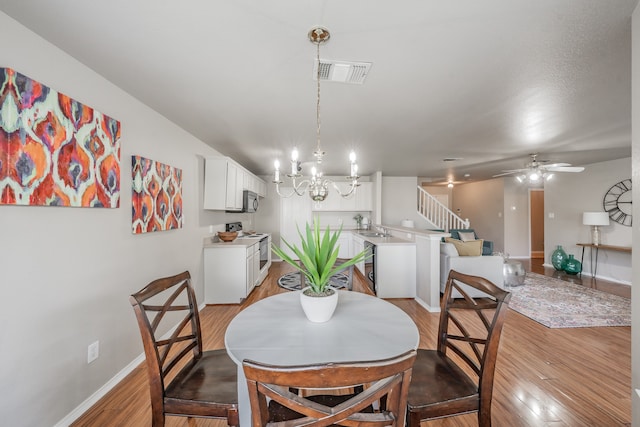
point(374, 234)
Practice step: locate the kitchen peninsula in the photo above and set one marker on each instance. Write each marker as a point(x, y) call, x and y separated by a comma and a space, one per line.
point(420, 268)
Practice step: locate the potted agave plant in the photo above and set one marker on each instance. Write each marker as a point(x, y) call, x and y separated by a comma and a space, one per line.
point(317, 256)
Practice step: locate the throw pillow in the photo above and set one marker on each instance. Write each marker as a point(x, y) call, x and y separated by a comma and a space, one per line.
point(448, 249)
point(467, 236)
point(472, 248)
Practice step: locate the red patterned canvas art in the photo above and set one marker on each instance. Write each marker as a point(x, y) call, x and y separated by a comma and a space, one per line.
point(156, 196)
point(55, 151)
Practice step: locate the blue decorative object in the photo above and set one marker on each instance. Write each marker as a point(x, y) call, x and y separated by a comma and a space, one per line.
point(572, 265)
point(558, 258)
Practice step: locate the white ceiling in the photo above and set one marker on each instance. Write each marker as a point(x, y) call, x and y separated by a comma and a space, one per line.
point(485, 81)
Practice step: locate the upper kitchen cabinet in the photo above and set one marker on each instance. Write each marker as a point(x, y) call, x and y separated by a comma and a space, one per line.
point(362, 200)
point(364, 197)
point(224, 181)
point(255, 184)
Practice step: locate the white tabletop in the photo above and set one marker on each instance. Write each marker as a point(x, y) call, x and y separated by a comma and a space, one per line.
point(275, 331)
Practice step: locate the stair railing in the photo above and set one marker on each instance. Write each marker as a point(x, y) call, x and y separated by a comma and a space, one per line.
point(438, 214)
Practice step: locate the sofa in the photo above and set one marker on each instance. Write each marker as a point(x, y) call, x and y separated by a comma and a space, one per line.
point(487, 266)
point(487, 246)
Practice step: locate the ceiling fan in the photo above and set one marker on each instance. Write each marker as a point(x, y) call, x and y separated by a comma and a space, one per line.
point(538, 170)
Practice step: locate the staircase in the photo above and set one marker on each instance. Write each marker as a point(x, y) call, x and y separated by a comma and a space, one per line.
point(438, 214)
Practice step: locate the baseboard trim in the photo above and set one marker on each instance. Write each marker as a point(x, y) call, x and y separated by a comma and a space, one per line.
point(588, 274)
point(99, 394)
point(108, 386)
point(427, 306)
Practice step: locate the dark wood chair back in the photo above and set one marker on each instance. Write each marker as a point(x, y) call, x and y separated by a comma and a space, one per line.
point(385, 381)
point(184, 380)
point(458, 376)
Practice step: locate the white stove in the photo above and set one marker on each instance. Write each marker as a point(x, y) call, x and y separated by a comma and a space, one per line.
point(237, 226)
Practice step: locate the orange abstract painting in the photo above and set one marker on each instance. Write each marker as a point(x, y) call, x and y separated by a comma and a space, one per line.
point(55, 151)
point(156, 196)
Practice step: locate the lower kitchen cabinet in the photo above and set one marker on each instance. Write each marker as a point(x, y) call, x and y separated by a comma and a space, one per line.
point(230, 273)
point(357, 243)
point(344, 242)
point(396, 271)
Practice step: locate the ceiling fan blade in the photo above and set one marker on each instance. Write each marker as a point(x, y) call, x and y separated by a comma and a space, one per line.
point(511, 172)
point(565, 169)
point(556, 165)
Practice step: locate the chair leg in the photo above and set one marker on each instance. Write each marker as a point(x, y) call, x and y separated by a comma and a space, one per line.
point(413, 419)
point(233, 418)
point(157, 418)
point(484, 418)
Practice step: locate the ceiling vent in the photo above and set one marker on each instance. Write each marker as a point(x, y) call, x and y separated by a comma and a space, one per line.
point(342, 71)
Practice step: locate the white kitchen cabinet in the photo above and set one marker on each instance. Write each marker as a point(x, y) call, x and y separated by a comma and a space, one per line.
point(344, 241)
point(253, 267)
point(396, 271)
point(235, 181)
point(224, 182)
point(262, 188)
point(230, 273)
point(364, 197)
point(357, 247)
point(295, 212)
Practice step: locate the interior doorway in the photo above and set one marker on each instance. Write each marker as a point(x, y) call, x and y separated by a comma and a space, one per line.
point(536, 222)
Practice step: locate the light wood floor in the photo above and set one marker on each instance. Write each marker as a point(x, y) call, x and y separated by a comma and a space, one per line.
point(544, 377)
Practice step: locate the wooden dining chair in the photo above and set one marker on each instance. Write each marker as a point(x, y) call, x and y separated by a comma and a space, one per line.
point(386, 381)
point(184, 380)
point(457, 377)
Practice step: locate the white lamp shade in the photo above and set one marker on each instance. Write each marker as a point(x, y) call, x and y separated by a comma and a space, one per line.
point(595, 218)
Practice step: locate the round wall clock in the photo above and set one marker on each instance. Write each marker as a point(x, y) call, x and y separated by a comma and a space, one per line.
point(617, 202)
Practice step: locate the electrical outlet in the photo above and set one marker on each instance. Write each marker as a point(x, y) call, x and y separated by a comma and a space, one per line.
point(93, 351)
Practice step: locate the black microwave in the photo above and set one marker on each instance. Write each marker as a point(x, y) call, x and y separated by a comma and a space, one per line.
point(249, 201)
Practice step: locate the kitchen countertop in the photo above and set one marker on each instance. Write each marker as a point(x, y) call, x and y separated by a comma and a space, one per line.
point(240, 242)
point(391, 240)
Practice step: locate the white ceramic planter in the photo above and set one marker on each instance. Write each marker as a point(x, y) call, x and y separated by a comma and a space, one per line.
point(319, 309)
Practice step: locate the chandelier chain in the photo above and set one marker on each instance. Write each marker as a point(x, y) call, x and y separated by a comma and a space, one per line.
point(317, 186)
point(319, 152)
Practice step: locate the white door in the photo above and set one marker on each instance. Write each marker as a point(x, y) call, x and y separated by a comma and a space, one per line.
point(295, 210)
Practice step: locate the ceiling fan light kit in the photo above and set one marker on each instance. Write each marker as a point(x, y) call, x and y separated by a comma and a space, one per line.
point(316, 186)
point(536, 171)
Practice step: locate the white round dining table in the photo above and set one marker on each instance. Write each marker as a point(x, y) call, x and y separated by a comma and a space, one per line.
point(275, 331)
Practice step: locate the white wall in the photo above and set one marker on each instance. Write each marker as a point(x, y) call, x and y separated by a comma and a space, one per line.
point(516, 219)
point(483, 204)
point(399, 201)
point(567, 196)
point(67, 273)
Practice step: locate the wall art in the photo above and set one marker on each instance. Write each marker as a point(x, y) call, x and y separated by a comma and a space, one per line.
point(54, 150)
point(156, 196)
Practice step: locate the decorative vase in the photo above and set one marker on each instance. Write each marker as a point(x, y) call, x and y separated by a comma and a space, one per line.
point(572, 265)
point(318, 308)
point(558, 258)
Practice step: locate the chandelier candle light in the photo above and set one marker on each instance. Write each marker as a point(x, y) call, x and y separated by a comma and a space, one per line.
point(317, 186)
point(595, 219)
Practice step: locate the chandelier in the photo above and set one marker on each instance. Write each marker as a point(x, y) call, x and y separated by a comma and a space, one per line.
point(316, 185)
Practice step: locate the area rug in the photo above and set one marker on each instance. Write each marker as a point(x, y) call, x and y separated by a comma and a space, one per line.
point(556, 303)
point(291, 281)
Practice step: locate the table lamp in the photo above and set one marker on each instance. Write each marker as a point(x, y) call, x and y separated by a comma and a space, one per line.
point(595, 219)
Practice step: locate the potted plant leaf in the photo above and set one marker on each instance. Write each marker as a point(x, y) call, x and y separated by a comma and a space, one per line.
point(317, 256)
